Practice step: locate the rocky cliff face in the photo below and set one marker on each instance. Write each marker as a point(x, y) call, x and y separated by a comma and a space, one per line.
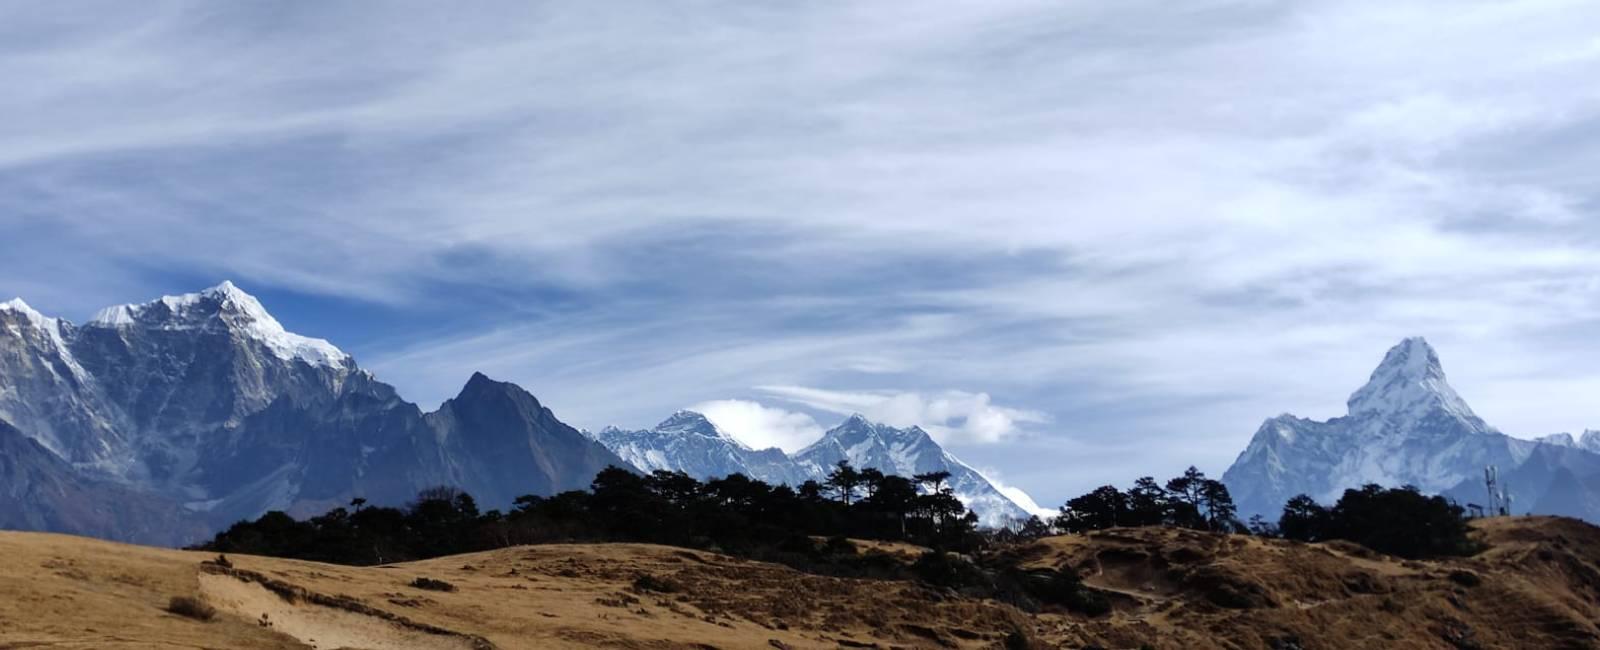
point(40, 491)
point(506, 444)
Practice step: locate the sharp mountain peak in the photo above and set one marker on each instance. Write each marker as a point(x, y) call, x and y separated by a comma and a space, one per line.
point(1410, 382)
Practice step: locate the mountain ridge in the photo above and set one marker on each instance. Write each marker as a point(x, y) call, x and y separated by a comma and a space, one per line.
point(691, 443)
point(1405, 426)
point(205, 401)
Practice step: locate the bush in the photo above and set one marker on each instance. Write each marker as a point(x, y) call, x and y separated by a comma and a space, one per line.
point(432, 585)
point(647, 582)
point(191, 607)
point(1402, 522)
point(1063, 587)
point(1018, 640)
point(840, 545)
point(1465, 578)
point(949, 570)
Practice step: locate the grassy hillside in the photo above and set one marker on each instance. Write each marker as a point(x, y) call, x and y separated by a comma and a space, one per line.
point(1536, 586)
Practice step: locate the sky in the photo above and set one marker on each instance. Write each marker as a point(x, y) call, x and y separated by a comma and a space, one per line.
point(1079, 242)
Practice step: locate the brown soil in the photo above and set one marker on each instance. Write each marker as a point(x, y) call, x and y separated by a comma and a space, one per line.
point(1537, 587)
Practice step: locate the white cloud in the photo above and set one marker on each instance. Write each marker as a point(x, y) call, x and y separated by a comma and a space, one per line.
point(761, 426)
point(949, 416)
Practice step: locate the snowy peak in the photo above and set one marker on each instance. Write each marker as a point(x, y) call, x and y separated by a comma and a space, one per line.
point(906, 452)
point(1589, 441)
point(20, 307)
point(858, 429)
point(1410, 383)
point(690, 422)
point(52, 331)
point(226, 305)
point(29, 314)
point(1558, 439)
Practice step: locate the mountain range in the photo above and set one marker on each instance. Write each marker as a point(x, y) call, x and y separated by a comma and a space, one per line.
point(1407, 426)
point(690, 443)
point(207, 411)
point(164, 421)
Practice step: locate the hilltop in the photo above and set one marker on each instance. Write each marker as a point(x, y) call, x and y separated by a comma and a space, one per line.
point(1536, 586)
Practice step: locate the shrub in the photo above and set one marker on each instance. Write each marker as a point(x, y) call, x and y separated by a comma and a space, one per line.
point(1399, 521)
point(840, 545)
point(1018, 640)
point(191, 607)
point(647, 582)
point(942, 569)
point(1063, 587)
point(432, 585)
point(1465, 578)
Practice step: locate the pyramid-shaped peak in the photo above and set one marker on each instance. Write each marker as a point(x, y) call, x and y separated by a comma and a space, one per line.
point(227, 287)
point(691, 422)
point(480, 385)
point(856, 421)
point(230, 292)
point(1409, 381)
point(481, 391)
point(683, 419)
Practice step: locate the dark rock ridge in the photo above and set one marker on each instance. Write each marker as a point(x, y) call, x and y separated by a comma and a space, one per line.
point(203, 410)
point(1407, 426)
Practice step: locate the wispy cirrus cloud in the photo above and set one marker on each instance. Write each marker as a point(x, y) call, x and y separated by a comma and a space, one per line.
point(1139, 227)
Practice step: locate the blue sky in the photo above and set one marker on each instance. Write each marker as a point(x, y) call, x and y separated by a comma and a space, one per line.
point(1080, 242)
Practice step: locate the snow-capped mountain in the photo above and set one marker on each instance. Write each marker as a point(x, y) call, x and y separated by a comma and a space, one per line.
point(205, 400)
point(1589, 441)
point(1406, 426)
point(906, 452)
point(687, 442)
point(690, 443)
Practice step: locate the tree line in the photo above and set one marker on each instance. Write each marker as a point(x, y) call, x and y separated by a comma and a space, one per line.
point(740, 515)
point(1399, 521)
point(733, 513)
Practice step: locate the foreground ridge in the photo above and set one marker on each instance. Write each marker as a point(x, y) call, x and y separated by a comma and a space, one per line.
point(1166, 589)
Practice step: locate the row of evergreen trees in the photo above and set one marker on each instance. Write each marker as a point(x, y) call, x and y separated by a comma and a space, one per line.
point(1398, 521)
point(742, 515)
point(734, 513)
point(1188, 501)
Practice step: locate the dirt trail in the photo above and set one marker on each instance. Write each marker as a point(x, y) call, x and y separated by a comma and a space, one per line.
point(321, 621)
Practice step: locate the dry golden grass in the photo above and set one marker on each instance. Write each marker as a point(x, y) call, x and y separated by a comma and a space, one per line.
point(1538, 587)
